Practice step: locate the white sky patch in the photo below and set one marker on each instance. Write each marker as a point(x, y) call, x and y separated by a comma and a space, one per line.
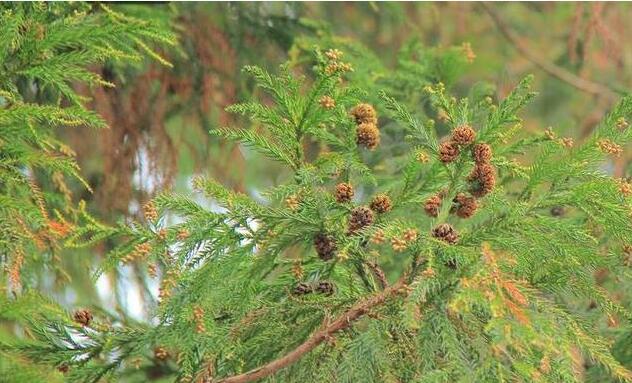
point(70, 296)
point(144, 178)
point(104, 290)
point(130, 293)
point(258, 196)
point(153, 285)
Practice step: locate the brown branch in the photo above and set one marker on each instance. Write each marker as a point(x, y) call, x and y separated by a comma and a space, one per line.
point(343, 321)
point(552, 69)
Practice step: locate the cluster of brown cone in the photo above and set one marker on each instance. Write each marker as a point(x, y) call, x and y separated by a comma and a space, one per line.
point(360, 217)
point(323, 287)
point(464, 205)
point(483, 177)
point(482, 181)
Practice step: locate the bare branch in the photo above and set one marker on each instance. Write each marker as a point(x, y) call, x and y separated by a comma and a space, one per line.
point(552, 69)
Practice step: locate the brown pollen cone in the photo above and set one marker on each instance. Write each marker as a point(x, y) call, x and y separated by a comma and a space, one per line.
point(410, 235)
point(327, 102)
point(361, 217)
point(481, 153)
point(364, 113)
point(381, 203)
point(446, 233)
point(344, 192)
point(161, 353)
point(448, 151)
point(368, 135)
point(378, 237)
point(463, 135)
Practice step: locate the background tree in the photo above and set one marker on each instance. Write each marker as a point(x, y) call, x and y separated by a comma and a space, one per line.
point(45, 49)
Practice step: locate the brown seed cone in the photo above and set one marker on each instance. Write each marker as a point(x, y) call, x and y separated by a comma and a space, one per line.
point(83, 317)
point(483, 178)
point(161, 353)
point(445, 232)
point(557, 211)
point(481, 153)
point(344, 192)
point(465, 205)
point(368, 135)
point(302, 289)
point(325, 287)
point(432, 205)
point(451, 263)
point(63, 368)
point(448, 151)
point(381, 203)
point(361, 217)
point(364, 113)
point(463, 135)
point(567, 142)
point(325, 245)
point(625, 187)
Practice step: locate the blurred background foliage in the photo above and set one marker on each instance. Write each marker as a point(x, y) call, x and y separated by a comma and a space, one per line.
point(159, 117)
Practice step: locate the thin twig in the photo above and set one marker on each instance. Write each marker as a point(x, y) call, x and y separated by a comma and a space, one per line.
point(378, 273)
point(552, 69)
point(343, 321)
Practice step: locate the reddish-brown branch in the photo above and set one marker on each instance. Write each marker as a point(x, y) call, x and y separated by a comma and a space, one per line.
point(552, 69)
point(343, 321)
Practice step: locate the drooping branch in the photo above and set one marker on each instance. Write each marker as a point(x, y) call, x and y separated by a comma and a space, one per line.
point(552, 69)
point(343, 321)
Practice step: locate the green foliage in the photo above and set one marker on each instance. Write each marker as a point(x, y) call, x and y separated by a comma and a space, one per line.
point(492, 306)
point(246, 279)
point(47, 50)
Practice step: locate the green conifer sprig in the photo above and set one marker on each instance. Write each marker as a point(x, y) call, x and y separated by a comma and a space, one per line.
point(490, 306)
point(288, 289)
